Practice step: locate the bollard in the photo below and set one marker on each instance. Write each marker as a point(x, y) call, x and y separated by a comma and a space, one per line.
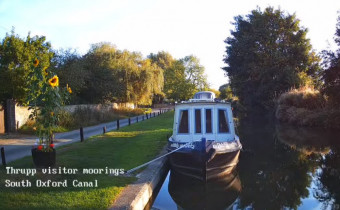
point(147, 116)
point(137, 119)
point(104, 129)
point(3, 156)
point(81, 134)
point(117, 124)
point(129, 121)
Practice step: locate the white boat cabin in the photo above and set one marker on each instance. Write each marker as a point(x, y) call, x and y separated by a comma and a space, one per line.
point(202, 117)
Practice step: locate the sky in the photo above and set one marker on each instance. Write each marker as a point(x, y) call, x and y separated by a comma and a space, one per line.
point(180, 27)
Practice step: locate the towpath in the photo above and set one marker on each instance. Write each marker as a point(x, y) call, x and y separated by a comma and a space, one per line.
point(16, 148)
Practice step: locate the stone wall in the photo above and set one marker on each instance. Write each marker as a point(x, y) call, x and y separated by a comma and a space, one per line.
point(101, 107)
point(2, 120)
point(22, 113)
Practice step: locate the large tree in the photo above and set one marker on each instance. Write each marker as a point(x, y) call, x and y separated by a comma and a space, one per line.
point(268, 53)
point(16, 57)
point(331, 75)
point(106, 74)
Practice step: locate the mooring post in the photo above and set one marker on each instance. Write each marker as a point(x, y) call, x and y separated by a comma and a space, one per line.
point(81, 134)
point(3, 156)
point(129, 121)
point(118, 124)
point(104, 129)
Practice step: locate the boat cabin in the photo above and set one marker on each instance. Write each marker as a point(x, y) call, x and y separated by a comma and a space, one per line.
point(202, 117)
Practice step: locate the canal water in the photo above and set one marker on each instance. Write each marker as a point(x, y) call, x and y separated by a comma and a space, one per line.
point(280, 167)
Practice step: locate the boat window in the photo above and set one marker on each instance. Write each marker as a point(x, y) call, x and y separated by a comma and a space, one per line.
point(222, 121)
point(183, 122)
point(208, 122)
point(198, 126)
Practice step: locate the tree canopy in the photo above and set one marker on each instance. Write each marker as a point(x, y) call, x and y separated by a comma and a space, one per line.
point(267, 54)
point(182, 77)
point(106, 74)
point(331, 74)
point(16, 56)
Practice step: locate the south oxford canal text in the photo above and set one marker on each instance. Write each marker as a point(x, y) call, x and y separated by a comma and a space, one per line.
point(50, 183)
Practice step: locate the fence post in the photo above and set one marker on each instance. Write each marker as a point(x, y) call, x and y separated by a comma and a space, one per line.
point(118, 124)
point(104, 129)
point(3, 156)
point(81, 134)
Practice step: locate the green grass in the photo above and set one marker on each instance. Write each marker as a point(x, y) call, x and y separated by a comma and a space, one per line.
point(124, 149)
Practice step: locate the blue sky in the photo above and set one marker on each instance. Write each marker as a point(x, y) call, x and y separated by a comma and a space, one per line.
point(181, 27)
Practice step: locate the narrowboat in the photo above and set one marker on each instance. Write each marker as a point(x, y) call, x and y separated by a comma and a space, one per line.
point(204, 143)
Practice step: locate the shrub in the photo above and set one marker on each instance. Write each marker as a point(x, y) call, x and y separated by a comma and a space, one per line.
point(304, 97)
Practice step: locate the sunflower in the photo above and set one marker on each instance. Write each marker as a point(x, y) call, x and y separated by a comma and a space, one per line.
point(35, 62)
point(54, 81)
point(68, 89)
point(45, 73)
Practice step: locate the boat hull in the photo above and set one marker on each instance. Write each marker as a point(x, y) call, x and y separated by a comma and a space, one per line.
point(204, 166)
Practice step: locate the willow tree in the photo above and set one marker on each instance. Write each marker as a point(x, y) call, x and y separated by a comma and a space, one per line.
point(267, 54)
point(120, 76)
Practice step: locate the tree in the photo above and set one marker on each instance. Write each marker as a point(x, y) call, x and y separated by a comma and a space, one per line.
point(194, 72)
point(69, 66)
point(112, 75)
point(225, 92)
point(182, 78)
point(267, 54)
point(331, 74)
point(16, 56)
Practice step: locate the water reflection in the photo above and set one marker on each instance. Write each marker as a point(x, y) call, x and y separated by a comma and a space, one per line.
point(279, 164)
point(189, 193)
point(280, 167)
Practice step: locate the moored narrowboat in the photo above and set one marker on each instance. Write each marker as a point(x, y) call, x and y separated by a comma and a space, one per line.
point(204, 138)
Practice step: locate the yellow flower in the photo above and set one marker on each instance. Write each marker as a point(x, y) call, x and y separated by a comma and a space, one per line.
point(68, 89)
point(52, 114)
point(35, 62)
point(54, 81)
point(45, 71)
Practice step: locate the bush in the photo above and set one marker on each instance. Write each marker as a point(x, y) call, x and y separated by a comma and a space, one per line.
point(305, 97)
point(306, 107)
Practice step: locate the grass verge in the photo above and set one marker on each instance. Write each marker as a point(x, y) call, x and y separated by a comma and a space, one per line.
point(124, 149)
